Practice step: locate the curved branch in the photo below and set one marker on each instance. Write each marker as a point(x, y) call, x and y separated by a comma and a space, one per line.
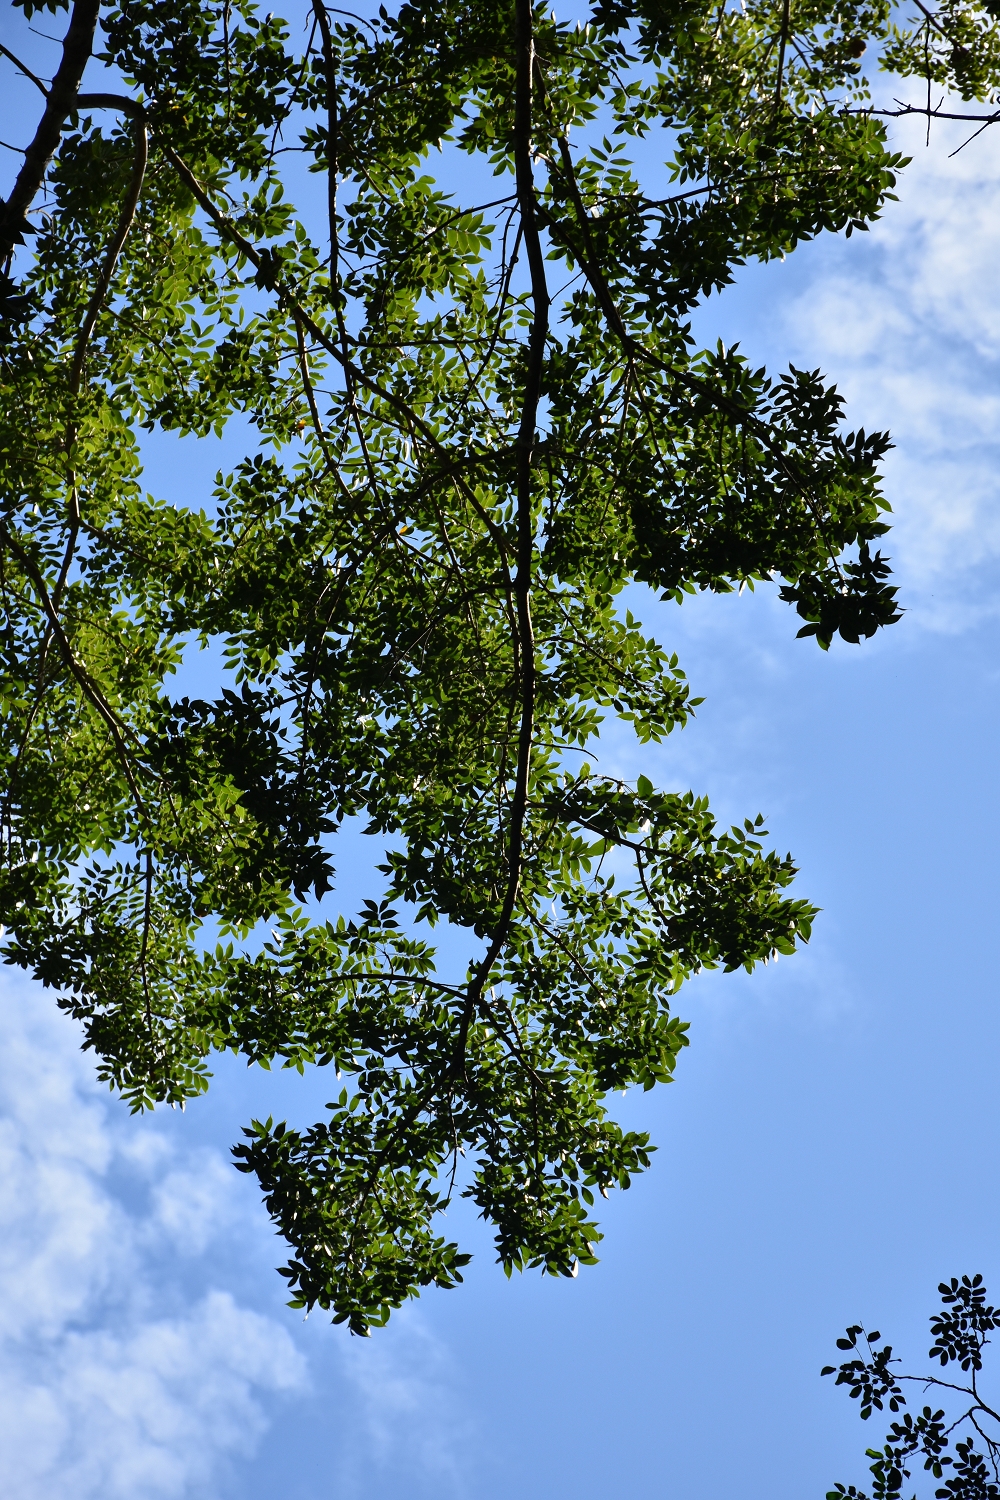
point(112, 101)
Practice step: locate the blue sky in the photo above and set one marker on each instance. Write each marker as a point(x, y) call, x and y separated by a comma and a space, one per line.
point(827, 1153)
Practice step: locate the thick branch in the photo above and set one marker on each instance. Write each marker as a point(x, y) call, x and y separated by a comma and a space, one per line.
point(525, 444)
point(332, 142)
point(781, 53)
point(61, 101)
point(111, 101)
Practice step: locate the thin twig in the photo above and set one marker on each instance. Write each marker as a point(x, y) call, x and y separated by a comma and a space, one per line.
point(24, 69)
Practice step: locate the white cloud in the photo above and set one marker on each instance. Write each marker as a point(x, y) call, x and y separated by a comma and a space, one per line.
point(119, 1378)
point(147, 1412)
point(194, 1203)
point(942, 235)
point(907, 321)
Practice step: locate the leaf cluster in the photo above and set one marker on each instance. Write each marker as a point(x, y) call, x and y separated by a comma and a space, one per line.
point(959, 1333)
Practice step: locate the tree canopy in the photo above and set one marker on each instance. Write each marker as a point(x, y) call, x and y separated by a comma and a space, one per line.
point(479, 417)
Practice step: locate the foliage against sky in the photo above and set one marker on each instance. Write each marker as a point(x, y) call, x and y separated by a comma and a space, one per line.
point(954, 1447)
point(479, 422)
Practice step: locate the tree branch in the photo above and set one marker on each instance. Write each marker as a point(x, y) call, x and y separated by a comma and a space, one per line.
point(125, 219)
point(413, 422)
point(934, 114)
point(524, 177)
point(332, 139)
point(781, 52)
point(24, 69)
point(91, 690)
point(636, 350)
point(111, 101)
point(60, 102)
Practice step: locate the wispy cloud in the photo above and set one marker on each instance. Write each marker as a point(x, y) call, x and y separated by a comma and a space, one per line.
point(413, 1418)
